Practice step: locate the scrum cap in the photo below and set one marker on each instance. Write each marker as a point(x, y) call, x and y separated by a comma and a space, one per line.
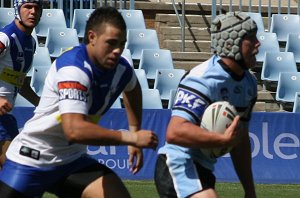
point(19, 3)
point(227, 32)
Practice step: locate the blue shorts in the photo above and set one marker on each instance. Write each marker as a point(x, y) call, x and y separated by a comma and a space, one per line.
point(175, 177)
point(60, 180)
point(8, 127)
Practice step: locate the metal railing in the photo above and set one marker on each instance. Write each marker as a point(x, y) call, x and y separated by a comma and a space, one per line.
point(69, 5)
point(218, 7)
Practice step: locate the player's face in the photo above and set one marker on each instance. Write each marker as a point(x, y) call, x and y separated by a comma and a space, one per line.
point(250, 45)
point(107, 46)
point(30, 14)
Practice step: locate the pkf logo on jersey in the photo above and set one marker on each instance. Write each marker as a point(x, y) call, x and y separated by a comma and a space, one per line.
point(72, 90)
point(191, 101)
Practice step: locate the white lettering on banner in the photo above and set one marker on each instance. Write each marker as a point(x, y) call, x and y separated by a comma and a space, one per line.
point(115, 163)
point(277, 144)
point(104, 150)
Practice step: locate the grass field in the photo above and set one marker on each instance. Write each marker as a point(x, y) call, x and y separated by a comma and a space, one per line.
point(146, 189)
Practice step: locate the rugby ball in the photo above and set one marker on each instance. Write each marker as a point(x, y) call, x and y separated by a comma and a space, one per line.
point(217, 118)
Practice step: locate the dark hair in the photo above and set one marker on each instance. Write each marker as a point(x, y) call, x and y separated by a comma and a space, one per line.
point(101, 16)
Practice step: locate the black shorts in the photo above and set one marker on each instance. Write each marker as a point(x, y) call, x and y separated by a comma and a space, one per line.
point(164, 181)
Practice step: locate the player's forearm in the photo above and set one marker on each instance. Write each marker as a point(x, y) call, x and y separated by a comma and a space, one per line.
point(241, 157)
point(85, 132)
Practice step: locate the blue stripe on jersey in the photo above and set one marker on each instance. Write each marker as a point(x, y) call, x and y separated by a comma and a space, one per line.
point(101, 80)
point(27, 43)
point(191, 101)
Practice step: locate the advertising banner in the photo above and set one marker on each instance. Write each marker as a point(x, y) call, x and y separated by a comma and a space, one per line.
point(274, 139)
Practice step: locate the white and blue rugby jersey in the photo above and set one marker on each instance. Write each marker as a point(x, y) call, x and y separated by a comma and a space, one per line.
point(209, 82)
point(16, 54)
point(73, 85)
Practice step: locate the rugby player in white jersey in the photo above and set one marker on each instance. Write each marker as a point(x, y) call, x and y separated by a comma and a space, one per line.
point(50, 152)
point(17, 48)
point(182, 170)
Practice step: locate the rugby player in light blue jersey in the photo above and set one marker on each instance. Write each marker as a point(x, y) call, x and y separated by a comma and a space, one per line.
point(81, 85)
point(182, 170)
point(17, 48)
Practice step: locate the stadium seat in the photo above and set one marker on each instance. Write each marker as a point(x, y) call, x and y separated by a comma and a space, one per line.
point(258, 19)
point(172, 97)
point(296, 106)
point(38, 79)
point(139, 39)
point(268, 43)
point(7, 15)
point(134, 19)
point(60, 39)
point(117, 104)
point(41, 58)
point(49, 19)
point(33, 34)
point(22, 102)
point(276, 62)
point(283, 24)
point(126, 54)
point(79, 20)
point(153, 59)
point(151, 99)
point(166, 80)
point(141, 75)
point(293, 45)
point(288, 85)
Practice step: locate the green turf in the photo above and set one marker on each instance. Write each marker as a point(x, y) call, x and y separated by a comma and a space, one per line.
point(146, 189)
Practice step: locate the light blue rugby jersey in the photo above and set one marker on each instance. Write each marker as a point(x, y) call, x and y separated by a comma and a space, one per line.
point(206, 83)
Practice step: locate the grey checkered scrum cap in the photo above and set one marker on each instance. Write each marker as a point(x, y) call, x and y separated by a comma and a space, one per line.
point(227, 32)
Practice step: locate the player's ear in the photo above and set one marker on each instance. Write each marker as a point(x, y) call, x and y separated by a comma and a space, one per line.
point(92, 37)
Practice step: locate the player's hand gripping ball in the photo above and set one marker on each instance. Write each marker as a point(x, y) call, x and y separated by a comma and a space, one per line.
point(217, 118)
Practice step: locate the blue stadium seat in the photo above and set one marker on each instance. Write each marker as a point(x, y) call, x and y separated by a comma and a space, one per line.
point(258, 19)
point(79, 20)
point(134, 19)
point(33, 34)
point(41, 58)
point(296, 106)
point(60, 39)
point(172, 98)
point(141, 75)
point(139, 39)
point(153, 59)
point(49, 19)
point(293, 45)
point(126, 54)
point(117, 104)
point(22, 102)
point(268, 43)
point(276, 62)
point(38, 79)
point(288, 85)
point(151, 99)
point(166, 80)
point(7, 15)
point(283, 24)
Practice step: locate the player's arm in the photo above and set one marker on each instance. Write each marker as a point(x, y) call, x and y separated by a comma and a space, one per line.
point(78, 129)
point(241, 158)
point(27, 92)
point(132, 98)
point(185, 133)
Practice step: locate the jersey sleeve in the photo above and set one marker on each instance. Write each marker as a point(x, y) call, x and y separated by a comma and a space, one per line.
point(190, 102)
point(73, 86)
point(4, 43)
